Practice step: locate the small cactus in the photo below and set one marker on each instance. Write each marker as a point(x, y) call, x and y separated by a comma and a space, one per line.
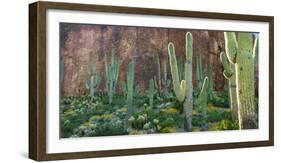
point(93, 80)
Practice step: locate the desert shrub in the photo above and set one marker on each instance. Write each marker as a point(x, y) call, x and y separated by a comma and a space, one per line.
point(168, 123)
point(220, 100)
point(168, 130)
point(214, 116)
point(198, 120)
point(226, 114)
point(226, 125)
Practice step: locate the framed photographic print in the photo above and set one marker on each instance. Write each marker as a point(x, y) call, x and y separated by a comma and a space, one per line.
point(112, 81)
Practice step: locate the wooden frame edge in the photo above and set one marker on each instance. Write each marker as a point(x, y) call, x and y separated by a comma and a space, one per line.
point(37, 80)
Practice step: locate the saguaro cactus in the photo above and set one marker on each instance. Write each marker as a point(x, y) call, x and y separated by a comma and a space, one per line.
point(158, 76)
point(241, 53)
point(184, 89)
point(112, 72)
point(199, 71)
point(151, 93)
point(230, 75)
point(93, 80)
point(130, 86)
point(165, 81)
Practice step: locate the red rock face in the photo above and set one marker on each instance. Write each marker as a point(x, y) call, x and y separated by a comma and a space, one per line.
point(85, 44)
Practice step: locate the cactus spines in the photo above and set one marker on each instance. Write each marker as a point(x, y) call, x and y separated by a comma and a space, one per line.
point(93, 80)
point(229, 74)
point(112, 72)
point(151, 93)
point(130, 86)
point(241, 52)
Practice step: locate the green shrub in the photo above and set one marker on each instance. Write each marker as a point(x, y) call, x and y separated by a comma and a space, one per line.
point(168, 130)
point(226, 125)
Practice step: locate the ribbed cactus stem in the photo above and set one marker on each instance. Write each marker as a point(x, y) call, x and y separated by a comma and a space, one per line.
point(130, 86)
point(188, 103)
point(151, 92)
point(241, 53)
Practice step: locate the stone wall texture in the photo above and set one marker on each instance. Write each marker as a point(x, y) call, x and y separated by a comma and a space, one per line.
point(84, 44)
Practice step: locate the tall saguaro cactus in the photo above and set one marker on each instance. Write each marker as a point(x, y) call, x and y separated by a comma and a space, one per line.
point(112, 72)
point(241, 53)
point(184, 89)
point(130, 86)
point(230, 75)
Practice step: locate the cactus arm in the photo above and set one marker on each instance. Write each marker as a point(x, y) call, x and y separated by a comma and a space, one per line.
point(228, 72)
point(203, 88)
point(201, 101)
point(231, 46)
point(179, 88)
point(230, 75)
